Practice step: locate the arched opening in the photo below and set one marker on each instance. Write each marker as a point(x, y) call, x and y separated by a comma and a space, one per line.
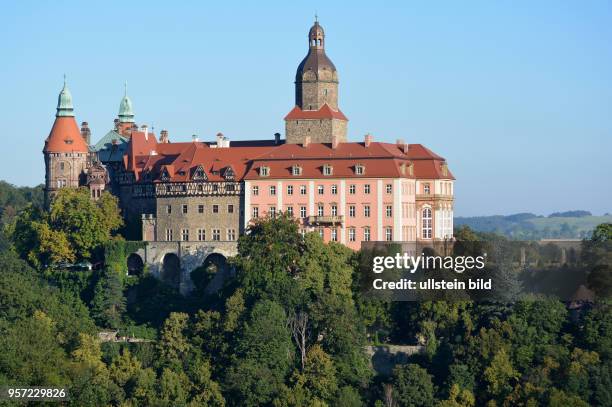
point(204, 274)
point(135, 265)
point(171, 270)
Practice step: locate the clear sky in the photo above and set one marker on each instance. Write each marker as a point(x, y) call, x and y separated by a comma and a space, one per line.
point(517, 96)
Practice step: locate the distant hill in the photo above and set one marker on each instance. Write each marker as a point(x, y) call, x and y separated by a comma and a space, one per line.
point(528, 226)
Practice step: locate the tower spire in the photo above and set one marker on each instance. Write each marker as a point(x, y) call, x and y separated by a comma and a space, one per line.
point(126, 113)
point(64, 102)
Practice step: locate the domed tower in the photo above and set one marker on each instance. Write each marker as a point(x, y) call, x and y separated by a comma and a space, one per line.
point(65, 149)
point(316, 113)
point(126, 114)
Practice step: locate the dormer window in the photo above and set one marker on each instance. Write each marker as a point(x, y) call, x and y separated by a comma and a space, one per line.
point(228, 173)
point(165, 176)
point(264, 171)
point(328, 169)
point(296, 170)
point(359, 169)
point(199, 173)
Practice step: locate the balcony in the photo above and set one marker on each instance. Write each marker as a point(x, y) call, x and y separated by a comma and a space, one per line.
point(325, 220)
point(432, 197)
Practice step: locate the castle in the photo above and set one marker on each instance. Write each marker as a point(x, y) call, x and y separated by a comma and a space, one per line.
point(206, 192)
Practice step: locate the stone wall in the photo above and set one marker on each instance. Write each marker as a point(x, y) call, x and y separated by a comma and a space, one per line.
point(193, 220)
point(320, 131)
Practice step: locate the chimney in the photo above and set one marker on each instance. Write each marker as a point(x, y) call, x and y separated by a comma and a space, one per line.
point(163, 136)
point(402, 145)
point(306, 141)
point(85, 132)
point(335, 142)
point(145, 130)
point(276, 138)
point(367, 140)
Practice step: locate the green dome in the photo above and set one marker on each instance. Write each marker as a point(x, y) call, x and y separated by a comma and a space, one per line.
point(64, 102)
point(126, 113)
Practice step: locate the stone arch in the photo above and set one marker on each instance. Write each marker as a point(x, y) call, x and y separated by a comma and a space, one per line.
point(135, 265)
point(211, 274)
point(171, 270)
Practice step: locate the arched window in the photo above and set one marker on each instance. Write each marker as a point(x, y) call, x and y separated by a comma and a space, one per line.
point(426, 223)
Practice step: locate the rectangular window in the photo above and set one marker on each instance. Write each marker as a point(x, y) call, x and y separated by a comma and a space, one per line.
point(168, 209)
point(272, 211)
point(366, 211)
point(334, 210)
point(201, 235)
point(255, 190)
point(231, 234)
point(302, 189)
point(321, 232)
point(327, 170)
point(216, 234)
point(289, 189)
point(389, 211)
point(366, 189)
point(351, 234)
point(352, 189)
point(169, 235)
point(184, 209)
point(388, 234)
point(302, 211)
point(426, 189)
point(230, 208)
point(334, 189)
point(200, 208)
point(352, 211)
point(366, 234)
point(321, 189)
point(389, 188)
point(185, 235)
point(255, 212)
point(320, 210)
point(272, 190)
point(290, 211)
point(334, 235)
point(215, 208)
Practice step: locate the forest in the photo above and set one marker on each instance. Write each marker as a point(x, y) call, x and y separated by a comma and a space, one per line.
point(291, 329)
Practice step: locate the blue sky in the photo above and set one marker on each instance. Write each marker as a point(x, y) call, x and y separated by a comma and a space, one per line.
point(516, 95)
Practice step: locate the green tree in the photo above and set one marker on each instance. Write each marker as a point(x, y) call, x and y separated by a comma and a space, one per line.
point(263, 356)
point(412, 386)
point(108, 303)
point(88, 224)
point(173, 345)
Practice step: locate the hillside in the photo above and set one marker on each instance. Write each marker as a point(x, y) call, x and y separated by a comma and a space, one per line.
point(528, 226)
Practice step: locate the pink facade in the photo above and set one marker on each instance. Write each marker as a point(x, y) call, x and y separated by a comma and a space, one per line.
point(354, 207)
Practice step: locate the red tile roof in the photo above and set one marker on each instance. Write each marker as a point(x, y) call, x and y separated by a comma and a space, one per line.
point(65, 137)
point(325, 112)
point(180, 160)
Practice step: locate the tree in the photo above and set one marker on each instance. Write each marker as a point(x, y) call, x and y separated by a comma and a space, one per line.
point(37, 242)
point(500, 374)
point(262, 356)
point(320, 374)
point(87, 224)
point(173, 346)
point(413, 386)
point(458, 398)
point(108, 303)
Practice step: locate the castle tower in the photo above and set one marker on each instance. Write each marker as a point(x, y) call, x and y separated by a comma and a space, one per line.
point(316, 113)
point(126, 115)
point(65, 149)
